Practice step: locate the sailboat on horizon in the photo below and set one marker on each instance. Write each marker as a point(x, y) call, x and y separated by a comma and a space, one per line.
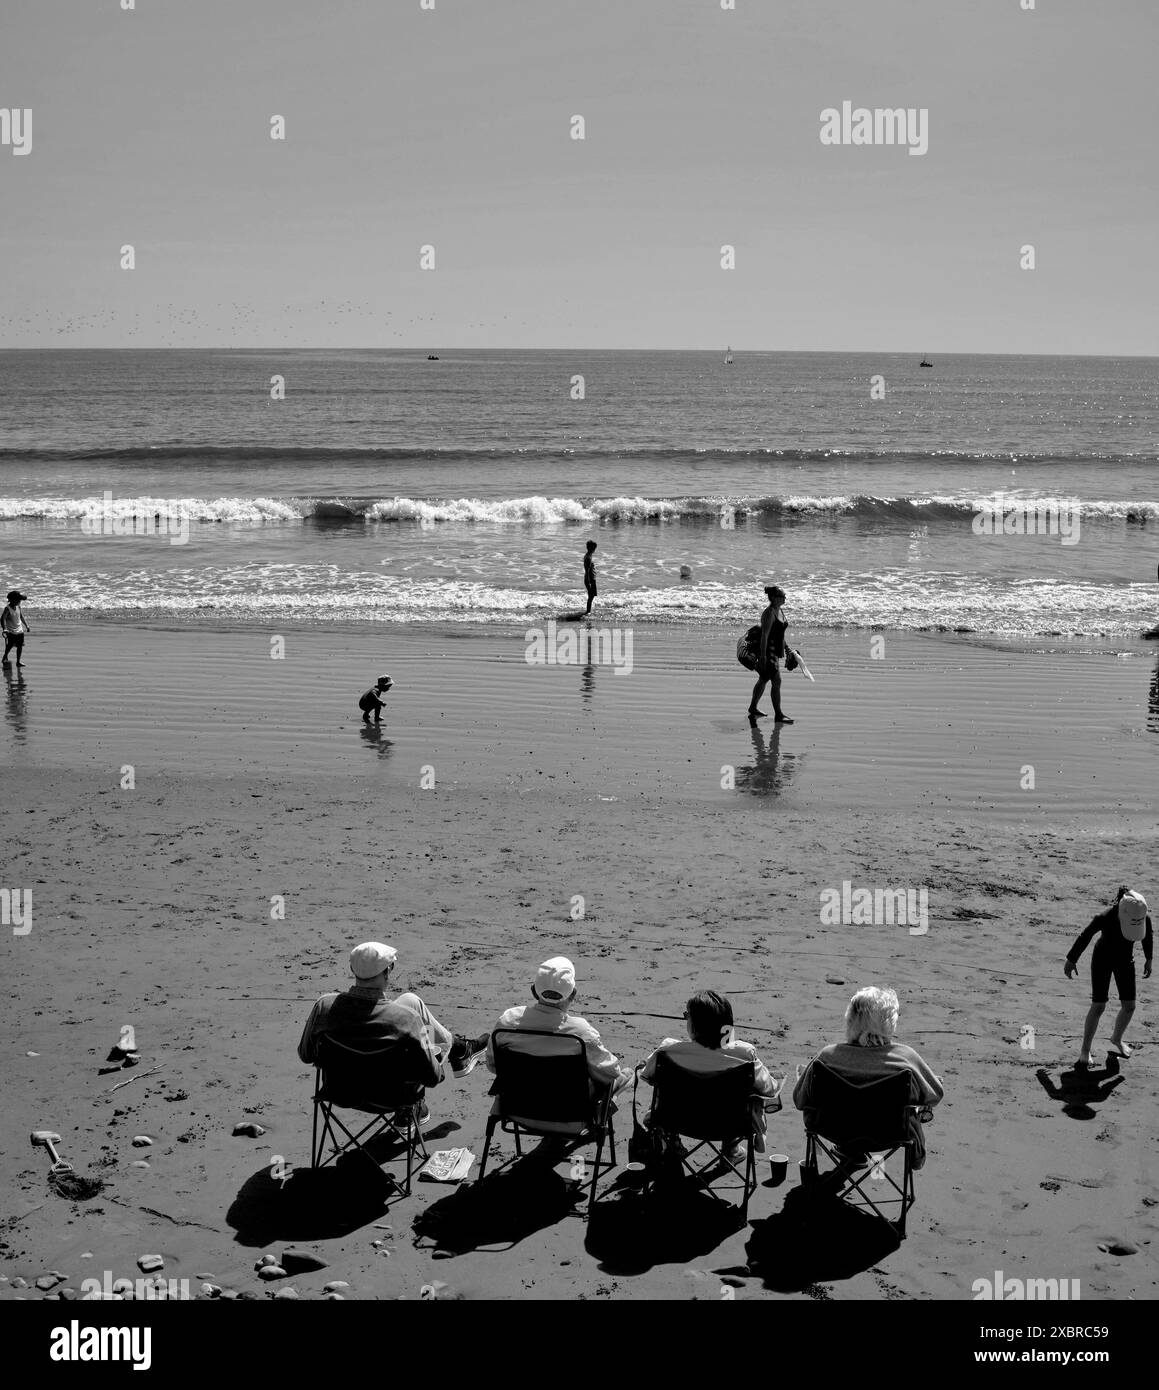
point(728, 357)
point(925, 362)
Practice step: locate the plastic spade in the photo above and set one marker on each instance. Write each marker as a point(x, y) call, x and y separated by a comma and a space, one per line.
point(45, 1138)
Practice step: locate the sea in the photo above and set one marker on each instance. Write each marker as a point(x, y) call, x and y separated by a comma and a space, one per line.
point(381, 486)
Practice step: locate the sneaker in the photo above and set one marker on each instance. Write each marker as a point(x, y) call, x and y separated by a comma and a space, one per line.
point(401, 1118)
point(466, 1054)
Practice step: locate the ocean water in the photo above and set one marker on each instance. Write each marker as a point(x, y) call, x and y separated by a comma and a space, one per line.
point(386, 487)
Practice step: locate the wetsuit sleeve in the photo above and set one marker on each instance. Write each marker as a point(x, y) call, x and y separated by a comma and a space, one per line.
point(1147, 941)
point(1084, 940)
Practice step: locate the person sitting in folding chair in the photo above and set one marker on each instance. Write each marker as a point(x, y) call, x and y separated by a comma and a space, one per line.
point(554, 988)
point(871, 1053)
point(709, 1047)
point(363, 1016)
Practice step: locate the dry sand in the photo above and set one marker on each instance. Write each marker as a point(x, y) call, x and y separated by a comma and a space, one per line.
point(253, 778)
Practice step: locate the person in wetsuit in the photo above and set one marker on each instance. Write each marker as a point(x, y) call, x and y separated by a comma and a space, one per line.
point(772, 652)
point(1114, 955)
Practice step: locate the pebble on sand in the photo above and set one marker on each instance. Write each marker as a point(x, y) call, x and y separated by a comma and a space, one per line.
point(271, 1272)
point(49, 1281)
point(19, 1283)
point(834, 980)
point(142, 1141)
point(148, 1263)
point(139, 1163)
point(335, 1286)
point(1118, 1247)
point(206, 1278)
point(211, 1290)
point(286, 1293)
point(248, 1130)
point(265, 1260)
point(332, 1296)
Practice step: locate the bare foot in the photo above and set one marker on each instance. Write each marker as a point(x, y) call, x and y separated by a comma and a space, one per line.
point(1122, 1048)
point(784, 719)
point(757, 714)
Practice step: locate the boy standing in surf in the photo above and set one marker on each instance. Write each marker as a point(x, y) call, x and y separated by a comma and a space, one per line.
point(772, 651)
point(590, 574)
point(14, 627)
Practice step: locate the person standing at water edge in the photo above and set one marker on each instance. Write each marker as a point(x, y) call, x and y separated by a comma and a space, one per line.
point(13, 625)
point(1118, 929)
point(590, 574)
point(773, 625)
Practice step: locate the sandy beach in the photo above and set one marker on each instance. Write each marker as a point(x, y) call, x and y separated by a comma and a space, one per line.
point(253, 778)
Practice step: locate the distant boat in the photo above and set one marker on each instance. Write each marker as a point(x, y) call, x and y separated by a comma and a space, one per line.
point(925, 362)
point(434, 357)
point(728, 357)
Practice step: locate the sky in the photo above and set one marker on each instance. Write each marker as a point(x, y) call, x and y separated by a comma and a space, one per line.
point(451, 127)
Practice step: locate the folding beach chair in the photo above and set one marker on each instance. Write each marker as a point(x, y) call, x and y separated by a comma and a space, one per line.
point(543, 1088)
point(715, 1108)
point(861, 1127)
point(349, 1078)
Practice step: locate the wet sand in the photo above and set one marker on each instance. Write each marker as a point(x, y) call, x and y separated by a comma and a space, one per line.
point(254, 778)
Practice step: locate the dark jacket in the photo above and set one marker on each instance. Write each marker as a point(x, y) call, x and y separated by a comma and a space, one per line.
point(362, 1017)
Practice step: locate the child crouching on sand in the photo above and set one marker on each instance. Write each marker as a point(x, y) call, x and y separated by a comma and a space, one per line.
point(372, 700)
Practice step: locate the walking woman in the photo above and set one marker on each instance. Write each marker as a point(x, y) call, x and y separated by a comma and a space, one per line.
point(1117, 929)
point(772, 652)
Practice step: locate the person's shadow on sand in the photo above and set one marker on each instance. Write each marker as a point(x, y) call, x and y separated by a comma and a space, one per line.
point(1081, 1089)
point(509, 1205)
point(320, 1203)
point(772, 770)
point(311, 1204)
point(816, 1241)
point(629, 1233)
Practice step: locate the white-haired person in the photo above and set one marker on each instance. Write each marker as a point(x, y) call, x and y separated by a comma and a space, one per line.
point(1118, 928)
point(554, 990)
point(869, 1053)
point(362, 1016)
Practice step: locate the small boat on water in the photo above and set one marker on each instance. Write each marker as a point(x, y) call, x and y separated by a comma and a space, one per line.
point(925, 362)
point(728, 357)
point(434, 357)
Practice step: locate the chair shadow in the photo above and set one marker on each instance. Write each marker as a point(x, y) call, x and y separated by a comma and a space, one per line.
point(1081, 1090)
point(510, 1204)
point(629, 1233)
point(311, 1204)
point(818, 1241)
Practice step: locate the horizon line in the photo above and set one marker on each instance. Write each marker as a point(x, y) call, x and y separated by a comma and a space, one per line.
point(751, 352)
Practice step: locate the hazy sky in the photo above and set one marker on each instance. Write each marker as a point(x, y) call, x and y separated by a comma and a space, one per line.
point(450, 127)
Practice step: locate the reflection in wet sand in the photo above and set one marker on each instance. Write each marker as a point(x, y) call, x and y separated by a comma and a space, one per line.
point(16, 707)
point(772, 770)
